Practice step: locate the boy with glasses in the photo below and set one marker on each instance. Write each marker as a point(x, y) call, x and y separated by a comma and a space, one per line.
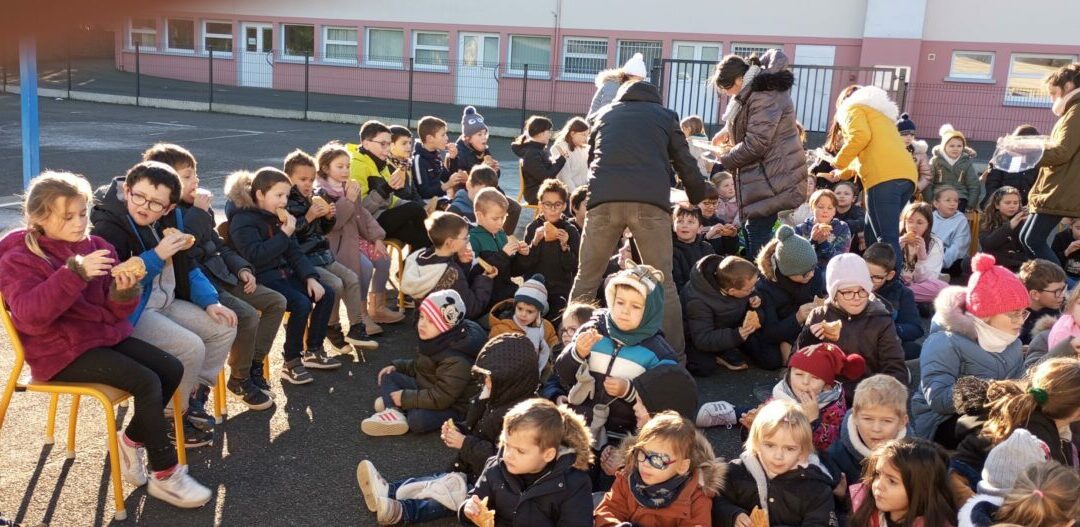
point(722, 235)
point(449, 264)
point(880, 261)
point(1046, 287)
point(554, 241)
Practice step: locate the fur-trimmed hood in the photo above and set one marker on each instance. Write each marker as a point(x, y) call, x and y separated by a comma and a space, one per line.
point(920, 147)
point(940, 152)
point(1044, 323)
point(872, 97)
point(775, 74)
point(978, 511)
point(238, 189)
point(951, 313)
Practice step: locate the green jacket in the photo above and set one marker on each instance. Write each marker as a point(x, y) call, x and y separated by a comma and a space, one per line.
point(1057, 189)
point(960, 175)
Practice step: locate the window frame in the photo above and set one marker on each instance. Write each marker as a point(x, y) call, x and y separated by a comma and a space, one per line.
point(427, 47)
point(325, 57)
point(132, 30)
point(533, 74)
point(194, 36)
point(619, 59)
point(962, 77)
point(382, 63)
point(565, 75)
point(207, 34)
point(1031, 102)
point(284, 55)
point(736, 45)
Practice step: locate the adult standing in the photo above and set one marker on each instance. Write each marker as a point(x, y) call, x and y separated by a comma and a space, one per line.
point(608, 82)
point(1056, 193)
point(765, 150)
point(632, 146)
point(866, 118)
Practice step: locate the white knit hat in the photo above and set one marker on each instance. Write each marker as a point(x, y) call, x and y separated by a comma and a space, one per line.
point(533, 292)
point(846, 270)
point(636, 66)
point(1007, 460)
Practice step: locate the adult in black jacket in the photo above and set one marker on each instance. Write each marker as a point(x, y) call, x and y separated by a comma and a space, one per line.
point(633, 143)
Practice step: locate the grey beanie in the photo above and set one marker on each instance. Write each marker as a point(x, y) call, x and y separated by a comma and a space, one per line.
point(471, 121)
point(1007, 460)
point(794, 254)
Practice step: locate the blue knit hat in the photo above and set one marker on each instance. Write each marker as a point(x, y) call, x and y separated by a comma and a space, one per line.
point(533, 292)
point(905, 125)
point(471, 121)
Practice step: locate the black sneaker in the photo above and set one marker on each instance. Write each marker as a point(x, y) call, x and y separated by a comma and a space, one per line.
point(359, 338)
point(294, 372)
point(317, 359)
point(256, 376)
point(193, 437)
point(196, 411)
point(337, 339)
point(255, 398)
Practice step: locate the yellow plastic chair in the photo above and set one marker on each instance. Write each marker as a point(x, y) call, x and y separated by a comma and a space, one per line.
point(106, 395)
point(521, 191)
point(973, 224)
point(398, 250)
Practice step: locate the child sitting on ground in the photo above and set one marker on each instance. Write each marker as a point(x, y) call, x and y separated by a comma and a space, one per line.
point(924, 253)
point(951, 228)
point(448, 264)
point(1067, 248)
point(904, 483)
point(856, 322)
point(573, 317)
point(724, 237)
point(509, 377)
point(1046, 286)
point(829, 234)
point(670, 478)
point(555, 243)
point(777, 473)
point(719, 310)
point(538, 477)
point(1004, 465)
point(878, 414)
point(524, 314)
point(999, 232)
point(852, 214)
point(480, 177)
point(419, 394)
point(492, 245)
point(881, 262)
point(577, 207)
point(953, 165)
point(689, 246)
point(1067, 326)
point(1045, 495)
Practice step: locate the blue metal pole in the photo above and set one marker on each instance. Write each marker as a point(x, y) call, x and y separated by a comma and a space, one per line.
point(28, 91)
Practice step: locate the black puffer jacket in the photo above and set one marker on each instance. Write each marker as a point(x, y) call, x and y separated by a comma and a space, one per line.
point(632, 146)
point(871, 334)
point(802, 496)
point(256, 234)
point(310, 236)
point(768, 161)
point(780, 301)
point(514, 378)
point(536, 166)
point(1022, 181)
point(712, 319)
point(685, 257)
point(1004, 243)
point(548, 258)
point(560, 497)
point(443, 369)
point(210, 252)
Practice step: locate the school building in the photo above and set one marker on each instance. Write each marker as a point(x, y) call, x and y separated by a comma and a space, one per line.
point(978, 64)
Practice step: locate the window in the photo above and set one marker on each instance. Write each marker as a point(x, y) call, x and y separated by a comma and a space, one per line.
point(218, 37)
point(340, 43)
point(1026, 74)
point(534, 51)
point(385, 47)
point(971, 65)
point(297, 41)
point(181, 35)
point(143, 33)
point(650, 49)
point(431, 50)
point(583, 58)
point(745, 50)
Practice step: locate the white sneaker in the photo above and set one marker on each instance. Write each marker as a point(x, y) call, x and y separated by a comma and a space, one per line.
point(179, 489)
point(389, 422)
point(372, 484)
point(389, 512)
point(449, 490)
point(716, 413)
point(132, 462)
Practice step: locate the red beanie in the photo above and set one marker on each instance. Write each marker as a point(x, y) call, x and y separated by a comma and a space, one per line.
point(825, 361)
point(993, 289)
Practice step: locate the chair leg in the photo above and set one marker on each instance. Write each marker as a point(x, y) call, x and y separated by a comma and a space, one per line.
point(266, 368)
point(219, 398)
point(73, 419)
point(50, 423)
point(9, 391)
point(114, 458)
point(178, 428)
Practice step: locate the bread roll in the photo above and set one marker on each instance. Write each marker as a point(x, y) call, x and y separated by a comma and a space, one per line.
point(134, 267)
point(484, 265)
point(282, 215)
point(189, 240)
point(319, 200)
point(551, 233)
point(832, 329)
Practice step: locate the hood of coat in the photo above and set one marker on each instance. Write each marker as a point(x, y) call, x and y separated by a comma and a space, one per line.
point(920, 146)
point(703, 276)
point(950, 305)
point(238, 189)
point(871, 97)
point(465, 339)
point(638, 92)
point(978, 511)
point(769, 80)
point(422, 271)
point(513, 377)
point(968, 154)
point(523, 145)
point(1044, 323)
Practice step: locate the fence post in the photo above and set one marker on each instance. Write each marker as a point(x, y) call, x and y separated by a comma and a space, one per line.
point(307, 79)
point(210, 77)
point(524, 92)
point(658, 76)
point(901, 95)
point(409, 124)
point(138, 76)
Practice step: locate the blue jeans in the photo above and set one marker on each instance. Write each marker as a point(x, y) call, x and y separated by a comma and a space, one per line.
point(421, 420)
point(301, 312)
point(758, 233)
point(420, 510)
point(1035, 232)
point(884, 203)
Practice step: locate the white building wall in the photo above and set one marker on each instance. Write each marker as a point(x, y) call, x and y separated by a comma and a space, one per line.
point(1031, 22)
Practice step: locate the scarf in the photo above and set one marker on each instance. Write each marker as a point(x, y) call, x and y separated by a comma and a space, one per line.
point(650, 321)
point(735, 105)
point(783, 391)
point(657, 496)
point(950, 160)
point(1059, 107)
point(330, 188)
point(992, 339)
point(857, 441)
point(535, 334)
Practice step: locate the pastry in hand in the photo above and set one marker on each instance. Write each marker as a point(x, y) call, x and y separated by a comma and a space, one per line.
point(513, 240)
point(759, 518)
point(484, 265)
point(319, 200)
point(751, 319)
point(819, 301)
point(551, 233)
point(832, 329)
point(134, 267)
point(826, 227)
point(170, 231)
point(486, 516)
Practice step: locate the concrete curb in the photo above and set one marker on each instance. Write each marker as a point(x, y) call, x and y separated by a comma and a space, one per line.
point(238, 109)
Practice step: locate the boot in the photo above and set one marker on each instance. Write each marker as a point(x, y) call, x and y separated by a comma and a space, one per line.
point(379, 312)
point(370, 327)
